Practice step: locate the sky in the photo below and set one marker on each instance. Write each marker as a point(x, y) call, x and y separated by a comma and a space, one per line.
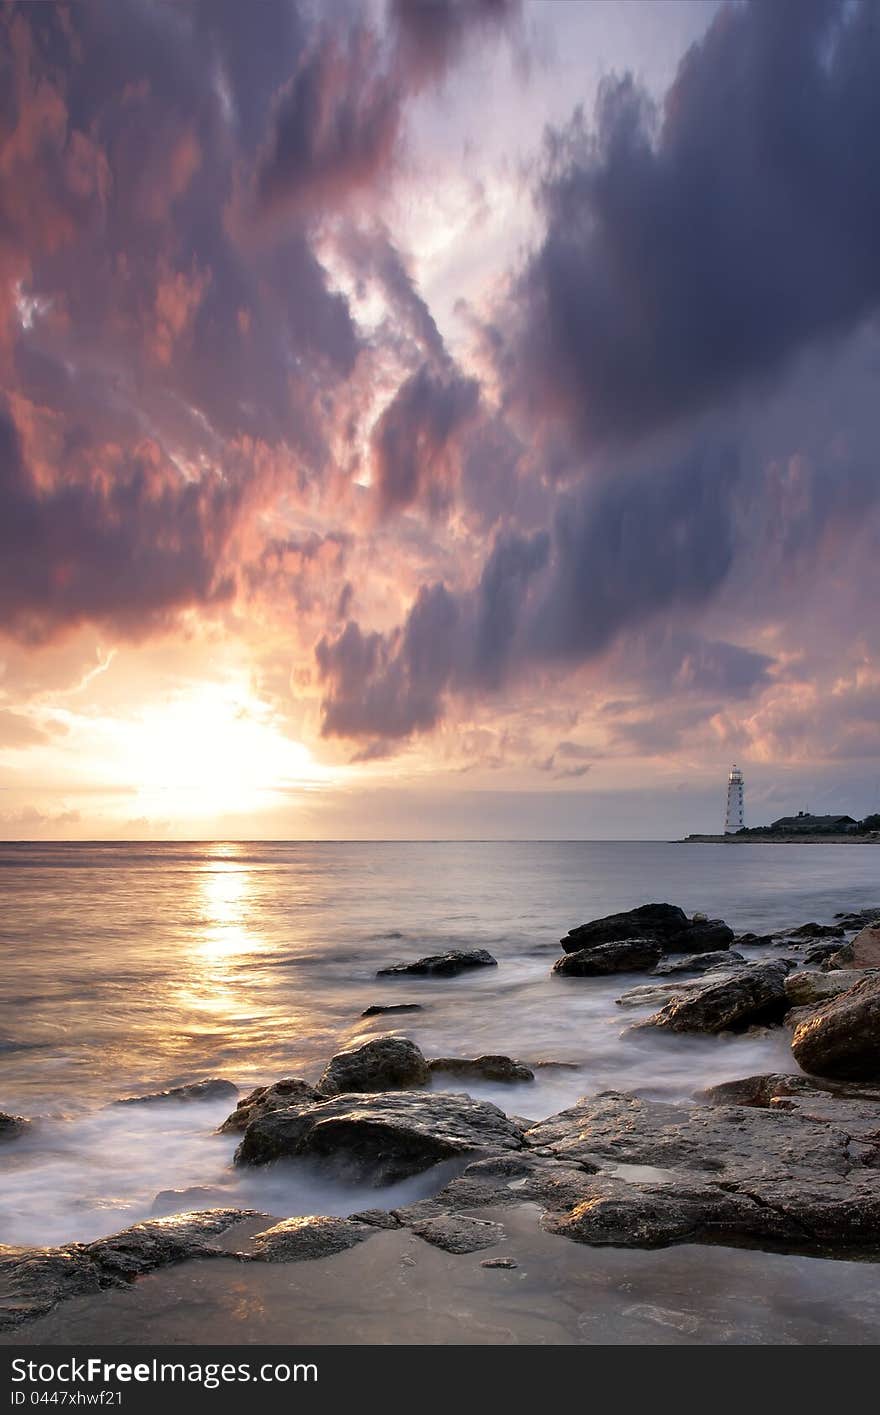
point(437, 418)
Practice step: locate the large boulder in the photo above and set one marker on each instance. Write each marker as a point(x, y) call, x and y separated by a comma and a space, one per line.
point(629, 955)
point(482, 1068)
point(666, 924)
point(283, 1094)
point(802, 1177)
point(751, 994)
point(842, 1038)
point(386, 1063)
point(211, 1089)
point(647, 921)
point(380, 1139)
point(442, 965)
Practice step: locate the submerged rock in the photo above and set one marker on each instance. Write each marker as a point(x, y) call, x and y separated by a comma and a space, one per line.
point(181, 1201)
point(378, 1009)
point(297, 1240)
point(842, 1038)
point(814, 930)
point(735, 1174)
point(288, 1092)
point(385, 1063)
point(483, 1068)
point(379, 1139)
point(12, 1126)
point(630, 955)
point(34, 1280)
point(442, 965)
point(753, 993)
point(750, 940)
point(457, 1233)
point(212, 1089)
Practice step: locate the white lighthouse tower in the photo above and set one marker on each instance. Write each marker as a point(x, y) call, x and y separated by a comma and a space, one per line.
point(734, 820)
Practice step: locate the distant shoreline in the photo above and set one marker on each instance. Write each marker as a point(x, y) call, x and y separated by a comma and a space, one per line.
point(805, 839)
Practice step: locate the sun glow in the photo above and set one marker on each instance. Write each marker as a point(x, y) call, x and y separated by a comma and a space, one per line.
point(215, 749)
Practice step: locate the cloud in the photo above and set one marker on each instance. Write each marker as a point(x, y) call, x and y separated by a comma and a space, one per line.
point(692, 250)
point(414, 442)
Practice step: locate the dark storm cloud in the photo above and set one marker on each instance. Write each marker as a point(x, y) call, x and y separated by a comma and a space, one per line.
point(124, 546)
point(693, 251)
point(433, 33)
point(414, 440)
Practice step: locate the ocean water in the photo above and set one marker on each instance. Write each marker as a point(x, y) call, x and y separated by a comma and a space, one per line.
point(127, 968)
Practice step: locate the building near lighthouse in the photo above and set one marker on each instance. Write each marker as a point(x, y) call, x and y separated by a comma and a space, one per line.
point(734, 819)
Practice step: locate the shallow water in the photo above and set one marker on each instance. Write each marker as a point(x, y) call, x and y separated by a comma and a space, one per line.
point(129, 968)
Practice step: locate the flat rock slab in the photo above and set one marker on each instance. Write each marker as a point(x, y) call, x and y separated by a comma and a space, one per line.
point(442, 965)
point(34, 1280)
point(735, 1174)
point(379, 1009)
point(458, 1233)
point(296, 1240)
point(383, 1138)
point(804, 988)
point(696, 963)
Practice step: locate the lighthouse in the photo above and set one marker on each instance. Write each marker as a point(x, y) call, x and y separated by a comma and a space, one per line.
point(734, 819)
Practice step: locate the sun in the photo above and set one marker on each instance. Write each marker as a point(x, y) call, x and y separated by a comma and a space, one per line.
point(209, 750)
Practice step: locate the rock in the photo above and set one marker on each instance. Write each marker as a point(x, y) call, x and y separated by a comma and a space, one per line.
point(181, 1201)
point(12, 1126)
point(378, 1218)
point(663, 923)
point(498, 1263)
point(696, 963)
point(843, 1037)
point(386, 1063)
point(299, 1239)
point(631, 955)
point(647, 921)
point(379, 1139)
point(377, 1010)
point(212, 1089)
point(456, 1233)
point(753, 993)
point(819, 952)
point(34, 1280)
point(815, 931)
point(482, 1068)
point(749, 940)
point(859, 918)
point(699, 938)
point(804, 988)
point(767, 1089)
point(731, 1173)
point(861, 952)
point(288, 1092)
point(442, 965)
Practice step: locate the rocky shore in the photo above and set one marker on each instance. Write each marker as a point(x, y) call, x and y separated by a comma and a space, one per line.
point(785, 1162)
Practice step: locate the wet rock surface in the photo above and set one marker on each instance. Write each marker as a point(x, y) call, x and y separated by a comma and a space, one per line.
point(387, 1063)
point(804, 988)
point(457, 1233)
point(383, 1138)
point(211, 1089)
point(754, 993)
point(379, 1009)
point(12, 1126)
point(281, 1095)
point(297, 1240)
point(861, 952)
point(696, 963)
point(33, 1280)
point(631, 955)
point(842, 1037)
point(482, 1068)
point(442, 965)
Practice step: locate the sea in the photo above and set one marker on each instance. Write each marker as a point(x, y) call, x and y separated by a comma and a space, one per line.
point(129, 968)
